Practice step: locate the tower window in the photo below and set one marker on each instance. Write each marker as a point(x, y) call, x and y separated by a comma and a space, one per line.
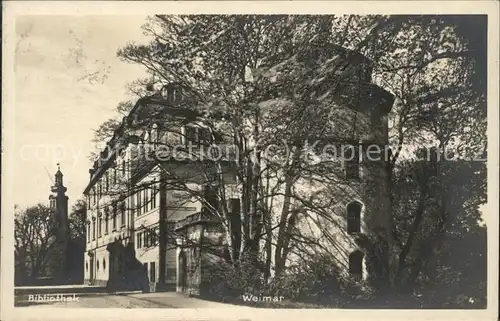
point(88, 232)
point(353, 218)
point(93, 230)
point(356, 264)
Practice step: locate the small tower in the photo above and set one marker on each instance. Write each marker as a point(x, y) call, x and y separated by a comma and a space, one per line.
point(59, 203)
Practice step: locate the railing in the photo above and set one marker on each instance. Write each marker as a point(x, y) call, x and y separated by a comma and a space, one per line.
point(195, 218)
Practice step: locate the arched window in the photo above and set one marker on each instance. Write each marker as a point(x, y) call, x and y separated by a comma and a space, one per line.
point(97, 265)
point(356, 264)
point(104, 264)
point(353, 217)
point(86, 265)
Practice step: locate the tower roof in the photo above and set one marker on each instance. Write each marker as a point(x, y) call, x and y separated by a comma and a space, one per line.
point(58, 176)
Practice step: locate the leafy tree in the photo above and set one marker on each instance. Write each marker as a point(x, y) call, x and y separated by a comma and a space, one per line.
point(35, 237)
point(77, 220)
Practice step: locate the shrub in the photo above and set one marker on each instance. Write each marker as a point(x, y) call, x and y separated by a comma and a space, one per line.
point(318, 280)
point(228, 282)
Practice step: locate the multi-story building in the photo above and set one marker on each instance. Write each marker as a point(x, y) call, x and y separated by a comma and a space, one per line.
point(145, 228)
point(133, 212)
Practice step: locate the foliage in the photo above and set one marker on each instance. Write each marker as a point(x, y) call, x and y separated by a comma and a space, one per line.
point(227, 281)
point(77, 220)
point(35, 236)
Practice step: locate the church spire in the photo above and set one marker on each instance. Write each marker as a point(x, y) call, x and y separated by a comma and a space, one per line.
point(59, 176)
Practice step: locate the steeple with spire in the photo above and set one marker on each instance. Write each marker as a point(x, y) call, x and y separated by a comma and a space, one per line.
point(59, 203)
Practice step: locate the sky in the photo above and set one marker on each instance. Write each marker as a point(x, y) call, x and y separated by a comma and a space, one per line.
point(68, 81)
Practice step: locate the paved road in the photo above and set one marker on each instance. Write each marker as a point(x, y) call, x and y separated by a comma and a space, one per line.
point(130, 300)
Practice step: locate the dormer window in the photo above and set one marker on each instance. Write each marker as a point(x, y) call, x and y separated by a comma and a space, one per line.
point(171, 93)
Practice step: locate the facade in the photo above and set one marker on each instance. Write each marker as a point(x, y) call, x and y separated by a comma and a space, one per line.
point(355, 206)
point(133, 239)
point(143, 232)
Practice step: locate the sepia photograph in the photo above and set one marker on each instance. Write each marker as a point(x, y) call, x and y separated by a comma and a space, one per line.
point(250, 161)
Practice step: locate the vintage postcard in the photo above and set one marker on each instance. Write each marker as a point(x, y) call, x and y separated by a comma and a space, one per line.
point(250, 160)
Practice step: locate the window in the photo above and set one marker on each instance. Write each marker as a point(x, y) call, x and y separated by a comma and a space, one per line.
point(106, 222)
point(190, 135)
point(204, 135)
point(122, 213)
point(114, 214)
point(97, 264)
point(171, 275)
point(145, 200)
point(115, 174)
point(99, 225)
point(351, 161)
point(353, 217)
point(123, 167)
point(234, 206)
point(153, 195)
point(146, 238)
point(104, 264)
point(107, 181)
point(210, 196)
point(152, 272)
point(86, 265)
point(356, 264)
point(139, 203)
point(93, 230)
point(88, 232)
point(153, 236)
point(139, 240)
